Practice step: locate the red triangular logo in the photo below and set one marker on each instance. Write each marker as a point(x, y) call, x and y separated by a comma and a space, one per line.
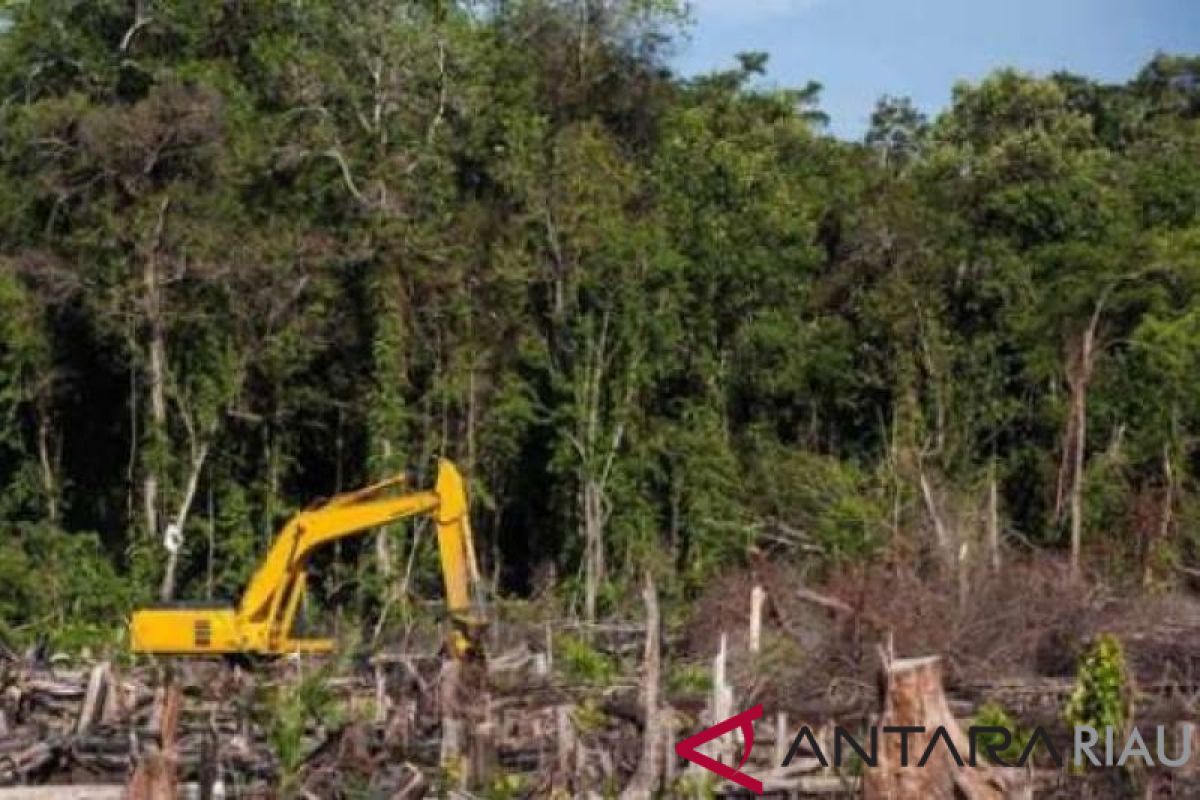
point(745, 721)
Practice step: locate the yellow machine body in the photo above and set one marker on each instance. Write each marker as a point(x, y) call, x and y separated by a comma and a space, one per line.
point(262, 623)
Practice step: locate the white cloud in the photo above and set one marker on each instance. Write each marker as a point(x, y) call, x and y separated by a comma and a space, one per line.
point(749, 9)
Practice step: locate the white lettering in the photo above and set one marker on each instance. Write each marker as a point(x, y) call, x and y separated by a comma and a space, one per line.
point(1086, 737)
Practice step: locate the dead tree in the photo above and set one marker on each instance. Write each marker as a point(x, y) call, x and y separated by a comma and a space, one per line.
point(650, 768)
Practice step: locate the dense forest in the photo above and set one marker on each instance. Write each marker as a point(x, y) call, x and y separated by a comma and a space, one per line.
point(256, 252)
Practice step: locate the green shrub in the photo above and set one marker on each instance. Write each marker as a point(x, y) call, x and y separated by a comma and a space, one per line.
point(506, 787)
point(700, 786)
point(689, 679)
point(1102, 696)
point(992, 715)
point(589, 717)
point(290, 708)
point(580, 661)
point(62, 586)
point(837, 504)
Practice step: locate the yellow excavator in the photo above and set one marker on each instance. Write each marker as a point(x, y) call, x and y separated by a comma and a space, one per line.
point(262, 623)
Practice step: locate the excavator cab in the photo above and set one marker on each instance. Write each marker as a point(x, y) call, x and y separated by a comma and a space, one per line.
point(185, 628)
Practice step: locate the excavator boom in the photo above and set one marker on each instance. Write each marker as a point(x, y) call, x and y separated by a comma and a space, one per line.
point(262, 622)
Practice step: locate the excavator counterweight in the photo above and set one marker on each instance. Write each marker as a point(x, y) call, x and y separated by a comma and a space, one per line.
point(262, 623)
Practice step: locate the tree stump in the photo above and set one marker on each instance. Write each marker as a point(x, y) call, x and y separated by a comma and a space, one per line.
point(154, 778)
point(914, 698)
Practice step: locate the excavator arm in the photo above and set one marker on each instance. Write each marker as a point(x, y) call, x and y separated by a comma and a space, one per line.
point(263, 621)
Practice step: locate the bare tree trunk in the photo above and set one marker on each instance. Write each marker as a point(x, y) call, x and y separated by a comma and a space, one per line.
point(1165, 519)
point(758, 598)
point(940, 535)
point(939, 406)
point(274, 467)
point(596, 459)
point(593, 532)
point(140, 20)
point(46, 462)
point(158, 424)
point(212, 544)
point(646, 780)
point(156, 350)
point(472, 412)
point(199, 457)
point(592, 492)
point(1064, 468)
point(1079, 377)
point(673, 526)
point(720, 703)
point(131, 466)
point(1079, 410)
point(200, 439)
point(383, 543)
point(993, 521)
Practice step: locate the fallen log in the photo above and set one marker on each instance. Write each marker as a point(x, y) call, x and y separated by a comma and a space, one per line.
point(99, 791)
point(16, 766)
point(95, 698)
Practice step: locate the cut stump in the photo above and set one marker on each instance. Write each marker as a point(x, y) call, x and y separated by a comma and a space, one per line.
point(913, 698)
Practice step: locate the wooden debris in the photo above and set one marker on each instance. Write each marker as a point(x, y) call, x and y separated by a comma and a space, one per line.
point(155, 775)
point(19, 766)
point(73, 792)
point(720, 706)
point(423, 728)
point(453, 746)
point(94, 698)
point(758, 598)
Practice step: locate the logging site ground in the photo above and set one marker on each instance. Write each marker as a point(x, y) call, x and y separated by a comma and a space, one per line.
point(581, 398)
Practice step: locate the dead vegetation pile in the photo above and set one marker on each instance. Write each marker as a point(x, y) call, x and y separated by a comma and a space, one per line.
point(1025, 623)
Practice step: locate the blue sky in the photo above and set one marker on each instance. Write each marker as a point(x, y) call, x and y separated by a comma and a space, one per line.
point(861, 49)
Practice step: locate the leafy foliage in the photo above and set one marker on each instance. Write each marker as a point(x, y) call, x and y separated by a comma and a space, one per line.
point(1103, 696)
point(268, 251)
point(992, 715)
point(294, 706)
point(583, 663)
point(83, 604)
